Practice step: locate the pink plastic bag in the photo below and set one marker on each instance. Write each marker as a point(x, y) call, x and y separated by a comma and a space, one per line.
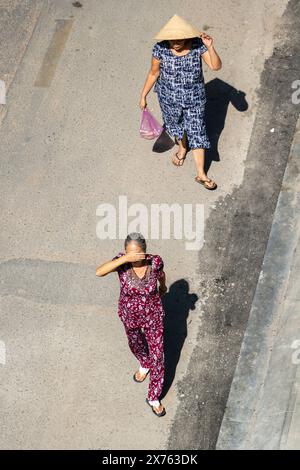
point(150, 128)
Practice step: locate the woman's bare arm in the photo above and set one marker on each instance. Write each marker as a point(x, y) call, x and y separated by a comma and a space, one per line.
point(152, 76)
point(162, 283)
point(210, 57)
point(162, 278)
point(110, 266)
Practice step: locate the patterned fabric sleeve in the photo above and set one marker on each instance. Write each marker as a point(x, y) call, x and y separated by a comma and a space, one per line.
point(119, 268)
point(156, 51)
point(159, 266)
point(200, 46)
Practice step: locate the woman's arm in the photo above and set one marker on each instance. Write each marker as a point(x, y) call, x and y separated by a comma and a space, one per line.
point(210, 57)
point(112, 265)
point(162, 283)
point(150, 80)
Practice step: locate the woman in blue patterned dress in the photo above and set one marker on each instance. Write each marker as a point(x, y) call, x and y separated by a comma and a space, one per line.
point(176, 71)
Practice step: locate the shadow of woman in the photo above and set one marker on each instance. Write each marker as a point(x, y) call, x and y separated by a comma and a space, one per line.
point(219, 95)
point(177, 303)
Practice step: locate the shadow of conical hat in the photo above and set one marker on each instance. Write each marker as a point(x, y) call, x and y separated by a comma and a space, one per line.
point(177, 28)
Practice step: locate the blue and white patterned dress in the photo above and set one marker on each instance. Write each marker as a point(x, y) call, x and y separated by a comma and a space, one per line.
point(181, 92)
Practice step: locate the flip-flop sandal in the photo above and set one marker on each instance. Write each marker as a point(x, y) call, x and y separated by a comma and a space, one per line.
point(198, 180)
point(162, 413)
point(179, 159)
point(140, 381)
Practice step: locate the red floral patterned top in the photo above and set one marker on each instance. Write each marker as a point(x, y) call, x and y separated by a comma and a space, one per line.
point(139, 302)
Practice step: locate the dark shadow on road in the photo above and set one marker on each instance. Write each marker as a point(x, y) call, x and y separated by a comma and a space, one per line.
point(163, 142)
point(177, 304)
point(219, 95)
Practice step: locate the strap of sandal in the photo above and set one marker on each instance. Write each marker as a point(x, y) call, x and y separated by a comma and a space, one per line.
point(176, 155)
point(205, 181)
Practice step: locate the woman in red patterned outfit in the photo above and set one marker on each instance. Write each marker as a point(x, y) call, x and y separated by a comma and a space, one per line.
point(141, 311)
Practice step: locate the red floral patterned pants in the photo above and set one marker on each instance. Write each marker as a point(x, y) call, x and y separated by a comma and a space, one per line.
point(148, 348)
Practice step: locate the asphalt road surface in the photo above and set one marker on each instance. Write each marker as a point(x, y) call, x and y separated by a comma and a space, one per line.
point(69, 142)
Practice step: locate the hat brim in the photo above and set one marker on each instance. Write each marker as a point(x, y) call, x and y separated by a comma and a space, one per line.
point(172, 37)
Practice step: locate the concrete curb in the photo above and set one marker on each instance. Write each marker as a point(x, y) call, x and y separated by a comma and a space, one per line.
point(262, 399)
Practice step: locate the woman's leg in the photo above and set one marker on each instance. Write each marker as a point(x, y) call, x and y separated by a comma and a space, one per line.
point(198, 140)
point(173, 121)
point(138, 345)
point(178, 157)
point(199, 157)
point(154, 337)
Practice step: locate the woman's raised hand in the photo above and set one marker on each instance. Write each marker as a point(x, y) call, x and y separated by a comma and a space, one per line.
point(206, 39)
point(132, 257)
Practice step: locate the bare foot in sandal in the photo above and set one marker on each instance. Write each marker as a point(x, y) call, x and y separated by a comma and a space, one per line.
point(207, 182)
point(157, 410)
point(139, 377)
point(179, 157)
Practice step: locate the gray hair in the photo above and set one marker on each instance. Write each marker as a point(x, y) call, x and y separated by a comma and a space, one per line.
point(138, 238)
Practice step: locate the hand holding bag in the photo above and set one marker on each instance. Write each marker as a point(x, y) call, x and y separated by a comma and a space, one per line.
point(150, 128)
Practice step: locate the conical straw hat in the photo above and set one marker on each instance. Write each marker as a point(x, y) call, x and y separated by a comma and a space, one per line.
point(177, 28)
